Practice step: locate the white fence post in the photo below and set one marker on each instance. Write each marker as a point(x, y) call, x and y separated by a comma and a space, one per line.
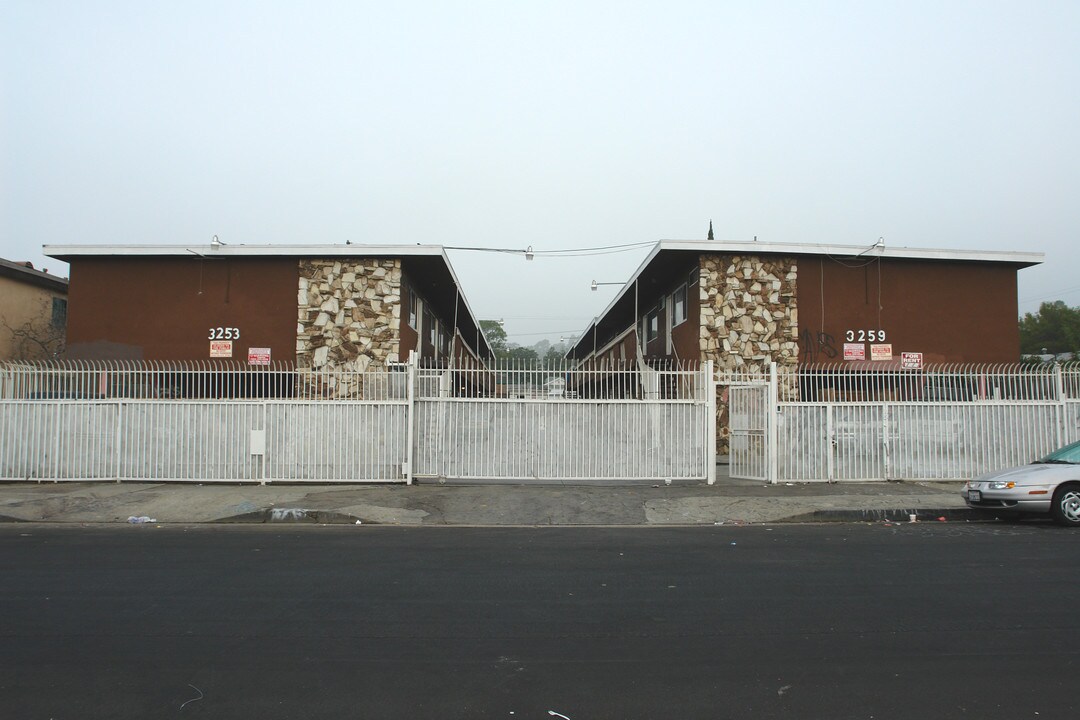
point(1063, 436)
point(885, 442)
point(772, 434)
point(830, 444)
point(710, 410)
point(410, 414)
point(263, 458)
point(119, 438)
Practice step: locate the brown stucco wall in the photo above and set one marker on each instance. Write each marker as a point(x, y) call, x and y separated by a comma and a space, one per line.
point(686, 336)
point(949, 311)
point(163, 308)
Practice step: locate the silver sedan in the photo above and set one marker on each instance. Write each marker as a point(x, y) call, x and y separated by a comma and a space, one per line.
point(1049, 485)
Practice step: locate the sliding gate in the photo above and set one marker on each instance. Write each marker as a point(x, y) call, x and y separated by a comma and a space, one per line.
point(527, 424)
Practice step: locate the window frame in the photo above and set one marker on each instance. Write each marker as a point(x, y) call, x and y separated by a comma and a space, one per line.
point(414, 309)
point(676, 301)
point(652, 325)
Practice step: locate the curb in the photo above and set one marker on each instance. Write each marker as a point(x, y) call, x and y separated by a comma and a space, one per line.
point(292, 516)
point(896, 515)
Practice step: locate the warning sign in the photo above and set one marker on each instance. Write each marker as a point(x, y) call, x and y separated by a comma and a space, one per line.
point(854, 351)
point(911, 360)
point(881, 352)
point(258, 356)
point(221, 348)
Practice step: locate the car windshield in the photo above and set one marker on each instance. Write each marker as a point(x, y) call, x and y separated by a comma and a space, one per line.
point(1068, 455)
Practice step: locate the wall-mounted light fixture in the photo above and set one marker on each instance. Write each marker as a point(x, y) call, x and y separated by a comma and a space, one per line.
point(598, 284)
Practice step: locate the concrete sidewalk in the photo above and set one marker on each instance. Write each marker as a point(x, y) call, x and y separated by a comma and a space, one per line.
point(728, 502)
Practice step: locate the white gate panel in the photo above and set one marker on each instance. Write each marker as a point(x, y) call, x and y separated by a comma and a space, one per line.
point(525, 439)
point(186, 440)
point(858, 442)
point(748, 423)
point(804, 450)
point(336, 442)
point(945, 442)
point(916, 441)
point(58, 440)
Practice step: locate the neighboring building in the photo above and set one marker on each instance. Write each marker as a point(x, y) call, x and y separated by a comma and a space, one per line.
point(317, 306)
point(33, 312)
point(743, 305)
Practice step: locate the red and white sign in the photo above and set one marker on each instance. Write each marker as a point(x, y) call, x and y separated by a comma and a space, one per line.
point(258, 356)
point(911, 360)
point(881, 352)
point(854, 351)
point(221, 348)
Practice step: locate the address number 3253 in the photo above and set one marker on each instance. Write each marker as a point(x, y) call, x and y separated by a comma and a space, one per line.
point(224, 333)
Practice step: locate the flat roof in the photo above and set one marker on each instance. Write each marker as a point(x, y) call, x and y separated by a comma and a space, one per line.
point(228, 250)
point(743, 248)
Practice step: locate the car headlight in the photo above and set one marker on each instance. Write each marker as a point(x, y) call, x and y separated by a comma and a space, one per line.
point(1000, 485)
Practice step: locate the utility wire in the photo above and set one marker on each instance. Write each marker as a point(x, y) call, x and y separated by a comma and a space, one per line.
point(626, 246)
point(568, 252)
point(1057, 293)
point(552, 332)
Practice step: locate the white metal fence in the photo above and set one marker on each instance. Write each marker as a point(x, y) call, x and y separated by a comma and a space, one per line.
point(213, 422)
point(520, 422)
point(201, 422)
point(883, 423)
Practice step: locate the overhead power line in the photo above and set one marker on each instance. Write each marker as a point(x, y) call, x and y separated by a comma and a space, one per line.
point(1055, 294)
point(567, 252)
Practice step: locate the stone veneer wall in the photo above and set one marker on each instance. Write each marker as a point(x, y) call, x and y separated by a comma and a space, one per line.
point(349, 313)
point(749, 317)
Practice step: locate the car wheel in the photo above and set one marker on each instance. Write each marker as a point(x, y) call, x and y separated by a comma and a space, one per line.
point(1066, 506)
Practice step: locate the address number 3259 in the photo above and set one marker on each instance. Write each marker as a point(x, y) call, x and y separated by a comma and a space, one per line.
point(864, 336)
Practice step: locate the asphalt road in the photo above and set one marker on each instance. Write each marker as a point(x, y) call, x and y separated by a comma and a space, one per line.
point(829, 621)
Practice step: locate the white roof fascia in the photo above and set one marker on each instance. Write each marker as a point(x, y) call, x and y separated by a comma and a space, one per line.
point(223, 250)
point(712, 246)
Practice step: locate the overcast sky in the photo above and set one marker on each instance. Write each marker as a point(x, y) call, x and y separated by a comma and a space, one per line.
point(552, 124)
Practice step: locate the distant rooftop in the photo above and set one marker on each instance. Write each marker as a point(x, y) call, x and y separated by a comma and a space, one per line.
point(26, 272)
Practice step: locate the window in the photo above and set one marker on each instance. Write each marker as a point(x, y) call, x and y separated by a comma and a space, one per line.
point(413, 301)
point(59, 312)
point(444, 341)
point(678, 305)
point(431, 327)
point(652, 325)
